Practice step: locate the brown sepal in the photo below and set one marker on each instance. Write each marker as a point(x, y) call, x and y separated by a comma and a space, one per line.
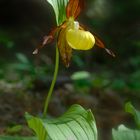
point(74, 8)
point(64, 49)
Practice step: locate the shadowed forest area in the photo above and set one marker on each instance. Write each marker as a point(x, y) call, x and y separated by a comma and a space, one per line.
point(94, 79)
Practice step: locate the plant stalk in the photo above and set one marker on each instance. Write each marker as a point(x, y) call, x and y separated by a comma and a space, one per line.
point(52, 84)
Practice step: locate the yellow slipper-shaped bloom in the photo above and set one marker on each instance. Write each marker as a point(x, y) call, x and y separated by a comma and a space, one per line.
point(71, 35)
point(80, 39)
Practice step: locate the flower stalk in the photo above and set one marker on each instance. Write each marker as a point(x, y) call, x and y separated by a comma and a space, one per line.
point(52, 84)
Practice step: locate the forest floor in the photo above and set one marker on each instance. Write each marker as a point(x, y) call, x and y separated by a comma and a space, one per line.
point(15, 100)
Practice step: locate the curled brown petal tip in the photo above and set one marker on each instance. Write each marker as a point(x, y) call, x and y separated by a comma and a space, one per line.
point(110, 52)
point(35, 51)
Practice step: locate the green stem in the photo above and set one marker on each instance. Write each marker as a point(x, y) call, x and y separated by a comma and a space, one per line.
point(52, 84)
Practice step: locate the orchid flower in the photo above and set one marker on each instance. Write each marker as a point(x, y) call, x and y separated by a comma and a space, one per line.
point(71, 35)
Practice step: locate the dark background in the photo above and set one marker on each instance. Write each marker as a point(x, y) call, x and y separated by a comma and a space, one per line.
point(25, 78)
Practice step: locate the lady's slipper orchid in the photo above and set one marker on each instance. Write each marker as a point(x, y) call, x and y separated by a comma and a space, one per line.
point(71, 35)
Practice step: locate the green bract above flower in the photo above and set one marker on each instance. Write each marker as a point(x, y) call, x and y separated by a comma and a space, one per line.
point(71, 35)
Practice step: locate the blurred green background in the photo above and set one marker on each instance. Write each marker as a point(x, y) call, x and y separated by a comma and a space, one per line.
point(94, 79)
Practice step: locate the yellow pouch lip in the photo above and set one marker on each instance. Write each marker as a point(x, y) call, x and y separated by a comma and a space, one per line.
point(80, 39)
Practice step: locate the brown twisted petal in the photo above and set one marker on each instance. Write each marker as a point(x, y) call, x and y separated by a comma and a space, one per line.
point(100, 44)
point(47, 39)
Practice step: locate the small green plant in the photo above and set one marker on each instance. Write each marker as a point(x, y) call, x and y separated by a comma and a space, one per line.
point(81, 81)
point(124, 133)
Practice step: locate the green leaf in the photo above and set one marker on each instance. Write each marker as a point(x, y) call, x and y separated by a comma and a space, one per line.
point(16, 138)
point(80, 75)
point(14, 129)
point(22, 58)
point(124, 133)
point(130, 109)
point(76, 124)
point(59, 7)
